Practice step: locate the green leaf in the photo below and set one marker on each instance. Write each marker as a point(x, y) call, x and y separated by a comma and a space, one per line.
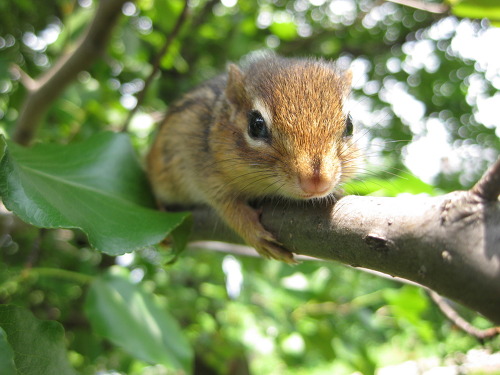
point(7, 366)
point(3, 147)
point(38, 345)
point(476, 9)
point(133, 319)
point(284, 30)
point(97, 186)
point(180, 236)
point(408, 304)
point(379, 186)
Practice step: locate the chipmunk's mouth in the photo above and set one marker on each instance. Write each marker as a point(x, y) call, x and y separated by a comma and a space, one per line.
point(312, 186)
point(315, 195)
point(314, 191)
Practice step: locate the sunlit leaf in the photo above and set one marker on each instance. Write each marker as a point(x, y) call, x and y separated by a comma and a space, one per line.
point(477, 9)
point(408, 304)
point(284, 30)
point(389, 187)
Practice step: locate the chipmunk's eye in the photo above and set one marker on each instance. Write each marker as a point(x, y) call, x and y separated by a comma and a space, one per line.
point(348, 126)
point(257, 128)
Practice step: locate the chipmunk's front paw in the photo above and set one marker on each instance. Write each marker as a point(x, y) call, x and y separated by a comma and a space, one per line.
point(267, 246)
point(245, 220)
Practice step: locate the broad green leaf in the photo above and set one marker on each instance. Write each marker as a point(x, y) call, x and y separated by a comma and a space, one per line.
point(7, 366)
point(38, 345)
point(132, 319)
point(96, 185)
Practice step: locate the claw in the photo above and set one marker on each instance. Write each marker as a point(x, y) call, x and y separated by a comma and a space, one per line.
point(269, 247)
point(245, 220)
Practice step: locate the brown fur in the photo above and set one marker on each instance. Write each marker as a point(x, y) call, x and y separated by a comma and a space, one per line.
point(203, 154)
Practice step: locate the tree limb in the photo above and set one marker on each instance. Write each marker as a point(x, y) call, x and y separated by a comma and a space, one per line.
point(45, 89)
point(450, 244)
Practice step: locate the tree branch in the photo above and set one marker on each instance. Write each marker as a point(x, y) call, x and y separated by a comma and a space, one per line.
point(45, 89)
point(450, 244)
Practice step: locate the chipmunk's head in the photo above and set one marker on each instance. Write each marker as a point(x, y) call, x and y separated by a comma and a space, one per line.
point(291, 127)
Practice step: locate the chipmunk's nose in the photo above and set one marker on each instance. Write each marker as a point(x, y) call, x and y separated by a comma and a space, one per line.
point(315, 185)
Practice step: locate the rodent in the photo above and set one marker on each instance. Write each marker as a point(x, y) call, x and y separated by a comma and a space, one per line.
point(276, 127)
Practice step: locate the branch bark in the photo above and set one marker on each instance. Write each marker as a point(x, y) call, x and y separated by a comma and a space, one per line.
point(450, 244)
point(45, 89)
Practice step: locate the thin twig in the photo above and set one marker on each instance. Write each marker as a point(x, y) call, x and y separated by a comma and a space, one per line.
point(422, 5)
point(156, 64)
point(452, 315)
point(202, 15)
point(60, 274)
point(29, 83)
point(488, 187)
point(199, 19)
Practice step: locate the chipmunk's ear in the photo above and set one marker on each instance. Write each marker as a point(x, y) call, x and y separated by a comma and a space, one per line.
point(235, 89)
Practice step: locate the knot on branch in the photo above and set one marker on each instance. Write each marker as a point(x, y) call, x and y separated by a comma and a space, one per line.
point(462, 208)
point(379, 243)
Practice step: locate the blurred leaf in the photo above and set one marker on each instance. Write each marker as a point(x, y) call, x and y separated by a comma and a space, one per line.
point(165, 14)
point(76, 21)
point(96, 185)
point(181, 234)
point(209, 31)
point(3, 147)
point(389, 187)
point(476, 9)
point(408, 300)
point(408, 304)
point(34, 15)
point(133, 319)
point(38, 345)
point(7, 365)
point(284, 30)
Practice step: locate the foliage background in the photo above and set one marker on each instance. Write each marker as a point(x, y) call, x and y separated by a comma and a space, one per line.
point(315, 318)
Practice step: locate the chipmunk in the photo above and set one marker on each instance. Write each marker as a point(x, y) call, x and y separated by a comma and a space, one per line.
point(276, 127)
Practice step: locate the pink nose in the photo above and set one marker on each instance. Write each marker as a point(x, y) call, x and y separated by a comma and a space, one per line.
point(314, 185)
